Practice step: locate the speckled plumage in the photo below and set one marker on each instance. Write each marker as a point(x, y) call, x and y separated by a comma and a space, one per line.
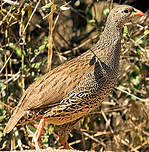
point(73, 89)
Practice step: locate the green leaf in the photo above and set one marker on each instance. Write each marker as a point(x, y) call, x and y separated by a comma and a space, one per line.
point(138, 50)
point(136, 81)
point(2, 118)
point(1, 49)
point(31, 128)
point(2, 86)
point(92, 21)
point(50, 129)
point(126, 34)
point(45, 140)
point(42, 47)
point(16, 49)
point(136, 72)
point(139, 40)
point(137, 140)
point(106, 11)
point(146, 32)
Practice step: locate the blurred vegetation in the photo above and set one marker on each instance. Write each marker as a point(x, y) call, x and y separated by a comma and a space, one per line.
point(26, 29)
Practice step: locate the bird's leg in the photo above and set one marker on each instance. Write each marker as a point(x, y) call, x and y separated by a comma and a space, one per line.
point(37, 134)
point(64, 130)
point(63, 141)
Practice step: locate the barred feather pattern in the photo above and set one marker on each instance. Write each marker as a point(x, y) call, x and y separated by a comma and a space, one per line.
point(80, 85)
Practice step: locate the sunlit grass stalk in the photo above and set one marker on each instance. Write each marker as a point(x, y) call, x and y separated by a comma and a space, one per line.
point(11, 69)
point(6, 71)
point(22, 66)
point(6, 68)
point(50, 51)
point(22, 34)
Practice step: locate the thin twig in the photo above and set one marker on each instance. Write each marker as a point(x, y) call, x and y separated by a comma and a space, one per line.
point(4, 18)
point(10, 2)
point(7, 106)
point(6, 63)
point(120, 89)
point(81, 45)
point(50, 46)
point(30, 19)
point(14, 77)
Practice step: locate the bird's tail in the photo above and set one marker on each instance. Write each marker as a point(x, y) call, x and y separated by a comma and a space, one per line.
point(14, 119)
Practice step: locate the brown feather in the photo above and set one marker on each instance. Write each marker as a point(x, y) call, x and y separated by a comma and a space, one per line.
point(73, 89)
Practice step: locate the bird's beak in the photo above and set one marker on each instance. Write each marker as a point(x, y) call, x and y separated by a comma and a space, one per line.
point(138, 13)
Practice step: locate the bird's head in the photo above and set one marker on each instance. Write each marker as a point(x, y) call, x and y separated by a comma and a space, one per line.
point(123, 14)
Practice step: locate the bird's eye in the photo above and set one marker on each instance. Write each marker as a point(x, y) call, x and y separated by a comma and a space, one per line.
point(126, 11)
point(133, 10)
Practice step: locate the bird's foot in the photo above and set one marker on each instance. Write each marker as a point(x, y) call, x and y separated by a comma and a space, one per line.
point(37, 135)
point(64, 143)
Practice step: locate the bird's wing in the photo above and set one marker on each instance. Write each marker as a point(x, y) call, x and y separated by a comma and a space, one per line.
point(52, 87)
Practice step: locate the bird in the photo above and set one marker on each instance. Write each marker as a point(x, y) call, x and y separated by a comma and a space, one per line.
point(72, 90)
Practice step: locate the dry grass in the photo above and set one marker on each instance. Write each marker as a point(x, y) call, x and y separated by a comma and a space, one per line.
point(30, 42)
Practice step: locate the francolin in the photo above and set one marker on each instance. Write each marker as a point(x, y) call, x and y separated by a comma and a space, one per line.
point(72, 90)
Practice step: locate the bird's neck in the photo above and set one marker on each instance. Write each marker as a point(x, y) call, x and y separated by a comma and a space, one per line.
point(112, 31)
point(110, 46)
